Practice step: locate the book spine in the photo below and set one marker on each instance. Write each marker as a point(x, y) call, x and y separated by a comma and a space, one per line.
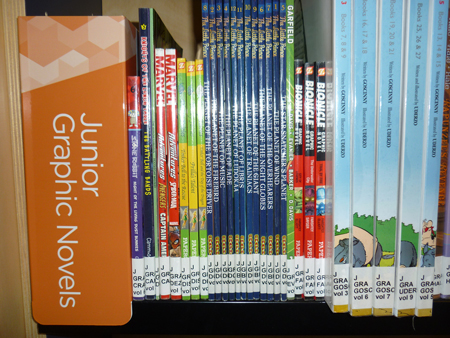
point(320, 180)
point(136, 186)
point(289, 88)
point(276, 149)
point(255, 150)
point(229, 238)
point(192, 179)
point(147, 139)
point(184, 180)
point(215, 150)
point(287, 275)
point(161, 131)
point(208, 146)
point(173, 178)
point(241, 143)
point(202, 204)
point(262, 148)
point(269, 151)
point(248, 145)
point(409, 225)
point(222, 156)
point(298, 177)
point(309, 205)
point(388, 156)
point(338, 297)
point(433, 131)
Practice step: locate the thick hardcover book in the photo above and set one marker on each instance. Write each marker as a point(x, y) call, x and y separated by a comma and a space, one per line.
point(78, 147)
point(269, 152)
point(309, 205)
point(248, 145)
point(202, 203)
point(183, 179)
point(276, 148)
point(262, 148)
point(409, 224)
point(434, 100)
point(255, 150)
point(147, 138)
point(192, 179)
point(161, 149)
point(388, 152)
point(152, 26)
point(136, 187)
point(240, 30)
point(172, 174)
point(298, 178)
point(338, 258)
point(320, 180)
point(208, 146)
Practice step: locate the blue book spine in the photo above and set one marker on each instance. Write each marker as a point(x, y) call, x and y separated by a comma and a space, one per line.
point(276, 149)
point(222, 162)
point(241, 143)
point(255, 151)
point(215, 149)
point(208, 146)
point(270, 152)
point(248, 144)
point(286, 274)
point(147, 138)
point(262, 148)
point(228, 151)
point(235, 143)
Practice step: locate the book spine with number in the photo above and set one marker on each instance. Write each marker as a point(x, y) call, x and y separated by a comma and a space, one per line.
point(276, 148)
point(320, 180)
point(298, 178)
point(262, 148)
point(173, 177)
point(192, 179)
point(290, 138)
point(183, 179)
point(248, 145)
point(136, 186)
point(287, 274)
point(269, 151)
point(309, 205)
point(161, 133)
point(434, 99)
point(388, 152)
point(241, 143)
point(411, 157)
point(147, 142)
point(255, 150)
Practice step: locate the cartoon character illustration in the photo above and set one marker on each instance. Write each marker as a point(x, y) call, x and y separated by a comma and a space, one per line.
point(174, 242)
point(203, 220)
point(309, 201)
point(133, 114)
point(408, 254)
point(184, 218)
point(428, 244)
point(194, 221)
point(427, 259)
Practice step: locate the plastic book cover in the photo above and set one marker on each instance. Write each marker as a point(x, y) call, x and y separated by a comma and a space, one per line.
point(183, 179)
point(192, 179)
point(309, 205)
point(320, 180)
point(287, 270)
point(173, 176)
point(202, 204)
point(78, 147)
point(255, 150)
point(262, 148)
point(388, 153)
point(409, 224)
point(269, 152)
point(298, 177)
point(248, 145)
point(433, 115)
point(134, 119)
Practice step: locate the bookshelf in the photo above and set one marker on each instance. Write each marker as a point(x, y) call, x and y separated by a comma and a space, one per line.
point(225, 318)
